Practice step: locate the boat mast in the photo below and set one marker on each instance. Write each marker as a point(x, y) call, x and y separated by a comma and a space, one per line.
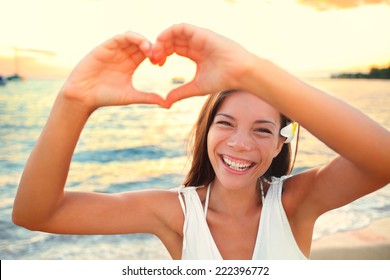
point(16, 60)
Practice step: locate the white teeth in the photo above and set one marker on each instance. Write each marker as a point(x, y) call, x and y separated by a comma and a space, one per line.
point(235, 165)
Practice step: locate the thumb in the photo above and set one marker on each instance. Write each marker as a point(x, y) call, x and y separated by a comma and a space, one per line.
point(187, 90)
point(141, 97)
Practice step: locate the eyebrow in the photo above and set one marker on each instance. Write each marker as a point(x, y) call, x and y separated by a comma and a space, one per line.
point(257, 121)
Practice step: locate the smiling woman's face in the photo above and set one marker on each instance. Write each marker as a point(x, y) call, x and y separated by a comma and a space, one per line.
point(243, 140)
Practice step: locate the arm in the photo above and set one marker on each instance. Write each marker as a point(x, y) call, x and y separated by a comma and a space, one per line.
point(343, 128)
point(102, 78)
point(363, 145)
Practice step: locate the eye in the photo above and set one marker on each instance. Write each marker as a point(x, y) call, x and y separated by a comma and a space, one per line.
point(224, 123)
point(264, 131)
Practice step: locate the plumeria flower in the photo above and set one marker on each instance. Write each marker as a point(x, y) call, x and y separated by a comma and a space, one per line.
point(289, 131)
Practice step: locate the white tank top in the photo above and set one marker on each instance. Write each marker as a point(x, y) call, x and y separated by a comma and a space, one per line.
point(274, 241)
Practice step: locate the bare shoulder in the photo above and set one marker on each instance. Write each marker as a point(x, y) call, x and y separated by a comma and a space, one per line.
point(164, 204)
point(166, 207)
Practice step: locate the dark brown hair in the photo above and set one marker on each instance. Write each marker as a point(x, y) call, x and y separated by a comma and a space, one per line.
point(201, 172)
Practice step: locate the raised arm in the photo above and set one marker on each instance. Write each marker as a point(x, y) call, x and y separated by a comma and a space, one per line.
point(363, 145)
point(103, 78)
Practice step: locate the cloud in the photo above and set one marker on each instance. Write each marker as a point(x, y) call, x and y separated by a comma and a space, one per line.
point(340, 4)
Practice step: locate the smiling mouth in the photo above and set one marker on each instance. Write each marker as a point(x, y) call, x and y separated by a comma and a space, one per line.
point(237, 165)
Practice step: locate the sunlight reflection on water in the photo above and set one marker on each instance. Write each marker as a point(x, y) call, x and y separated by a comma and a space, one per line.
point(135, 147)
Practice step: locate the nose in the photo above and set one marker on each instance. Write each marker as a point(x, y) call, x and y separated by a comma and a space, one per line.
point(240, 142)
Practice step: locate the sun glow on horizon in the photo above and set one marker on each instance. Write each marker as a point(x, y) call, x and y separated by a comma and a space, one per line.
point(294, 35)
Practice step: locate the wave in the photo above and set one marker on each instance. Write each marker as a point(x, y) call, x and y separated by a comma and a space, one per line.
point(10, 165)
point(166, 181)
point(128, 154)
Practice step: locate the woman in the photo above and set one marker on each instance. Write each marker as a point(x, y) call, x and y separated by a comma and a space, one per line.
point(237, 202)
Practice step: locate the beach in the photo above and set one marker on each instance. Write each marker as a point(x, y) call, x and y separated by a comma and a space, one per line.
point(140, 147)
point(368, 243)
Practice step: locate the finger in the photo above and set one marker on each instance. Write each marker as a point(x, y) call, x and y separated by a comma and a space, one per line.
point(136, 46)
point(159, 53)
point(185, 91)
point(182, 39)
point(182, 30)
point(143, 44)
point(129, 40)
point(172, 40)
point(146, 98)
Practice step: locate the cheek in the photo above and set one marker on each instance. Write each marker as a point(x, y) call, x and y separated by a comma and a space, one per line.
point(270, 147)
point(267, 150)
point(278, 147)
point(211, 146)
point(215, 142)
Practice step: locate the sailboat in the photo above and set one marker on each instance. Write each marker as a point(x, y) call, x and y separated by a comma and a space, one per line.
point(16, 76)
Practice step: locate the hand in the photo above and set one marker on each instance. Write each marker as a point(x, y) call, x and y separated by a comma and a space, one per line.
point(104, 76)
point(221, 63)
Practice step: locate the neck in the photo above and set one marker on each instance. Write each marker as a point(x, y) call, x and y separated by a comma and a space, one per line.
point(235, 202)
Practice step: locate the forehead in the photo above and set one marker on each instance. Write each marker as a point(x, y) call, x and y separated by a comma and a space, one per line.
point(242, 104)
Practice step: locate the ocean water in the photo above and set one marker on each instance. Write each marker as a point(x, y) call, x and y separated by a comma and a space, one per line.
point(137, 147)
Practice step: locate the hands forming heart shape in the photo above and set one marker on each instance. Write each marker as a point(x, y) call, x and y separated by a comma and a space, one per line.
point(104, 77)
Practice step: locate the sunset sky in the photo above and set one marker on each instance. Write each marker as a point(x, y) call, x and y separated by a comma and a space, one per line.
point(305, 37)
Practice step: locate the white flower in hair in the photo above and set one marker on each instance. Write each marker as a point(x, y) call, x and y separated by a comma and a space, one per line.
point(289, 131)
